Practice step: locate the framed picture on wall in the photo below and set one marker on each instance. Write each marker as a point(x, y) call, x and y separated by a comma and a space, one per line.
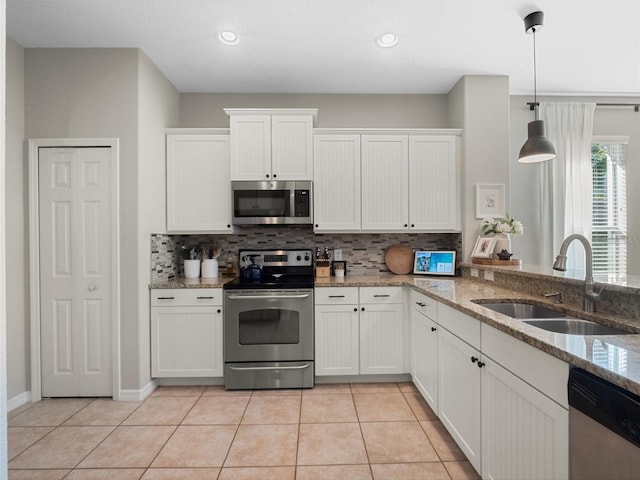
point(484, 247)
point(490, 201)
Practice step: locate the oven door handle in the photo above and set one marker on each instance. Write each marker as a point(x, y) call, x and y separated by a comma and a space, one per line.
point(298, 367)
point(266, 297)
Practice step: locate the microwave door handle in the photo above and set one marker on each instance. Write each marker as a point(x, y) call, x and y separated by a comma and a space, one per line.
point(264, 297)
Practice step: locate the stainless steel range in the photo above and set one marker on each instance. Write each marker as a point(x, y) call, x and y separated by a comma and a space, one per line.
point(268, 321)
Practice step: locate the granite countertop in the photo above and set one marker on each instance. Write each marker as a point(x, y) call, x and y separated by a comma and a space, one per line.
point(182, 282)
point(615, 358)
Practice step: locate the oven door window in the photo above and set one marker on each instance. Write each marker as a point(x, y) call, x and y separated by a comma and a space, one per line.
point(269, 327)
point(261, 203)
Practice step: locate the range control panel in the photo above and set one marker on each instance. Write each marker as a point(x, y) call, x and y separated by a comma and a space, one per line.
point(279, 258)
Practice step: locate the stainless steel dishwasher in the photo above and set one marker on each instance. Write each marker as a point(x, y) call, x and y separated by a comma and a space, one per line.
point(604, 429)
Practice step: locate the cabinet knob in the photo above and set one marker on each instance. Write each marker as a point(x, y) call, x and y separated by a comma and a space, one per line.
point(274, 175)
point(412, 225)
point(219, 311)
point(481, 364)
point(92, 287)
point(316, 225)
point(405, 225)
point(228, 226)
point(433, 329)
point(474, 359)
point(363, 309)
point(267, 175)
point(355, 309)
point(421, 304)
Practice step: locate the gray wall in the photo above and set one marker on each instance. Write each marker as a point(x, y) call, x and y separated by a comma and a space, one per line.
point(17, 239)
point(93, 93)
point(525, 178)
point(113, 93)
point(334, 111)
point(158, 108)
point(480, 106)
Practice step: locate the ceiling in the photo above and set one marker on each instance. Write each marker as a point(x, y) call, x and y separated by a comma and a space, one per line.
point(587, 47)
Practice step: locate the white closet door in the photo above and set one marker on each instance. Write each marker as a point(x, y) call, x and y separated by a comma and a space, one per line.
point(75, 271)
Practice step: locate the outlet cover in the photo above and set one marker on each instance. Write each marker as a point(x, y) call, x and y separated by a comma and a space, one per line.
point(474, 272)
point(488, 275)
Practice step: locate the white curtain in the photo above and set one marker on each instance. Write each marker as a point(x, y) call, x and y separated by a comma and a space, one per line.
point(566, 181)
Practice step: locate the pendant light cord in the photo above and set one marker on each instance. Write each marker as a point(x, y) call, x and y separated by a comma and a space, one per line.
point(535, 76)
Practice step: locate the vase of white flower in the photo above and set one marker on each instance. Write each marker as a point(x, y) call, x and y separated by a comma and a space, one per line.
point(503, 228)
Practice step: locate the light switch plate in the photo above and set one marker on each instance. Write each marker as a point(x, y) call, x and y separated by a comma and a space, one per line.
point(474, 272)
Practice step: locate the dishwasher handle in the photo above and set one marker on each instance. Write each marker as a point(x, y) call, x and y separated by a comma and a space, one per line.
point(611, 406)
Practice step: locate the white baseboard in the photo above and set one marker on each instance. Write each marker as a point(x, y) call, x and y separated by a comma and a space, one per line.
point(137, 395)
point(18, 401)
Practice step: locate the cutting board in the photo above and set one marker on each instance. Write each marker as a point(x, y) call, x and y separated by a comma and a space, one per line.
point(399, 259)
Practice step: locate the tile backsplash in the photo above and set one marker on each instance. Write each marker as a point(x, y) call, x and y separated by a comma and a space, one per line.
point(364, 252)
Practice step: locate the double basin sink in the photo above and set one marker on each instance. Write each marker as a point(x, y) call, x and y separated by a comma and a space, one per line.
point(549, 319)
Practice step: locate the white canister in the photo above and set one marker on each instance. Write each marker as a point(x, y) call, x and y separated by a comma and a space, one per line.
point(339, 272)
point(191, 268)
point(210, 268)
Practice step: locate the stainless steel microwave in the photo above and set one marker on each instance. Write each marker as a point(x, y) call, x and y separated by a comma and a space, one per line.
point(272, 202)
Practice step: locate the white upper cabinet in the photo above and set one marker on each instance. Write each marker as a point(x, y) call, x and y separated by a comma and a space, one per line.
point(385, 181)
point(336, 185)
point(372, 181)
point(250, 147)
point(269, 144)
point(292, 147)
point(433, 183)
point(198, 183)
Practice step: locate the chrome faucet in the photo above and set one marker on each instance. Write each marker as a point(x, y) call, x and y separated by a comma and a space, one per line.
point(590, 296)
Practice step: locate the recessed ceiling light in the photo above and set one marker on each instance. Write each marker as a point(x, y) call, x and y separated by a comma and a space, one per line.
point(228, 37)
point(387, 40)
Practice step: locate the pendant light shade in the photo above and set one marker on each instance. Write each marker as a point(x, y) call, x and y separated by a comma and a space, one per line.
point(537, 148)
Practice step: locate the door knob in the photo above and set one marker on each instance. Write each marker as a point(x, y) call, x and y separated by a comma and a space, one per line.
point(92, 287)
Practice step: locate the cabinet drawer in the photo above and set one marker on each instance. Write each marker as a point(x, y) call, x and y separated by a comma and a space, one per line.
point(185, 297)
point(539, 369)
point(336, 295)
point(380, 295)
point(465, 327)
point(425, 305)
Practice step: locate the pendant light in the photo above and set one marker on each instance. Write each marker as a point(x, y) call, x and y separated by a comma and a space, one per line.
point(537, 148)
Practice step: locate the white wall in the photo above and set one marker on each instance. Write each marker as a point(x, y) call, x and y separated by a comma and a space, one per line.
point(335, 111)
point(525, 201)
point(158, 108)
point(17, 239)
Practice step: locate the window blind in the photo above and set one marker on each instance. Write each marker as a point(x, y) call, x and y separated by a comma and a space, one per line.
point(609, 224)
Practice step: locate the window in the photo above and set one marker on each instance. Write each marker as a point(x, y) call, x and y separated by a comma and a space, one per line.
point(609, 223)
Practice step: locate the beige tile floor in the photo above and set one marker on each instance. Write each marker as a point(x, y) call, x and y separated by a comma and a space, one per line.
point(351, 432)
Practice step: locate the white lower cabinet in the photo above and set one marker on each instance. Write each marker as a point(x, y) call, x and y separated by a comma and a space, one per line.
point(459, 393)
point(186, 333)
point(424, 347)
point(524, 433)
point(359, 330)
point(337, 340)
point(503, 401)
point(381, 339)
